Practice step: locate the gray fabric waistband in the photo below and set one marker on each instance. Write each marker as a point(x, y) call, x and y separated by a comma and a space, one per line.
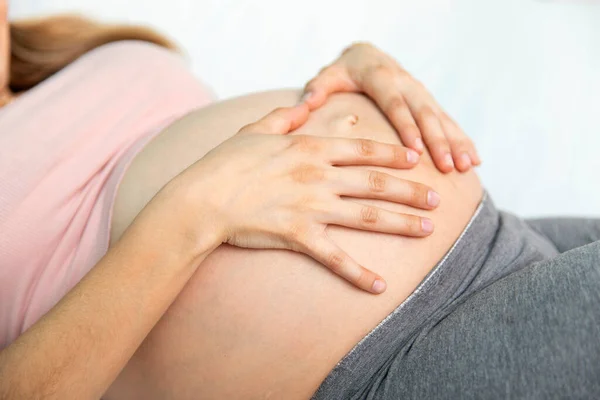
point(446, 282)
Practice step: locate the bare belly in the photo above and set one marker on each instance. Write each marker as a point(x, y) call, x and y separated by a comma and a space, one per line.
point(271, 324)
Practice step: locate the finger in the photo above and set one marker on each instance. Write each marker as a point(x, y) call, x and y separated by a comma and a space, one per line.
point(370, 218)
point(475, 156)
point(472, 150)
point(459, 145)
point(341, 151)
point(331, 79)
point(379, 185)
point(436, 141)
point(463, 150)
point(322, 249)
point(279, 122)
point(378, 83)
point(399, 114)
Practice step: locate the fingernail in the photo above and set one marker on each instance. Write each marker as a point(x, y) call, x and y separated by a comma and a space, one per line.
point(426, 225)
point(433, 199)
point(466, 160)
point(448, 160)
point(305, 97)
point(379, 286)
point(412, 156)
point(419, 144)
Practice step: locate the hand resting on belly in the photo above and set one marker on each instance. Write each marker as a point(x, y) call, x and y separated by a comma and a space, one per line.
point(273, 323)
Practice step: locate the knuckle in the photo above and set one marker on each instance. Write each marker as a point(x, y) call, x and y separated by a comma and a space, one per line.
point(404, 79)
point(278, 118)
point(296, 233)
point(377, 71)
point(399, 154)
point(396, 104)
point(247, 128)
point(412, 224)
point(365, 147)
point(369, 215)
point(286, 113)
point(377, 181)
point(336, 261)
point(364, 279)
point(427, 113)
point(418, 193)
point(412, 195)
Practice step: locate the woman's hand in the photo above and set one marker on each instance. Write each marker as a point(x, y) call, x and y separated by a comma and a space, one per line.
point(408, 105)
point(265, 189)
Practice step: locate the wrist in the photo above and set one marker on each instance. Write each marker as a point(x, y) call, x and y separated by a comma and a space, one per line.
point(178, 222)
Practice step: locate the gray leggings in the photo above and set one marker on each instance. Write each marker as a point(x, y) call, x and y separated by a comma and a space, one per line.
point(513, 311)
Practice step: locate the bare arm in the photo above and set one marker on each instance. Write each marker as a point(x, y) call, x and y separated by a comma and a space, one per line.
point(296, 190)
point(81, 345)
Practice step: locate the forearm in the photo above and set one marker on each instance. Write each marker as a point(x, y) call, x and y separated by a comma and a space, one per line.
point(79, 347)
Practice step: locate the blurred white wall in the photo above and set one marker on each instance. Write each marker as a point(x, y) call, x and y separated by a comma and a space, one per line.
point(521, 76)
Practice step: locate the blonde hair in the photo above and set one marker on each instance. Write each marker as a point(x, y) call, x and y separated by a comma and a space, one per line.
point(42, 47)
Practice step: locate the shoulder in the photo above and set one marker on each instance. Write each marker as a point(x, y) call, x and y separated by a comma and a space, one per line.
point(134, 66)
point(131, 71)
point(134, 53)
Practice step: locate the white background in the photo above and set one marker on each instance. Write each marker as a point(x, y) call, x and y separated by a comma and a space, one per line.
point(521, 76)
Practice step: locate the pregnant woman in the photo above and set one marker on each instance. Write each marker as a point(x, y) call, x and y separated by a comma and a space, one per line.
point(145, 248)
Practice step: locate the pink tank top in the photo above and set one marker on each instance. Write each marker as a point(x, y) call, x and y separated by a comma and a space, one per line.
point(64, 146)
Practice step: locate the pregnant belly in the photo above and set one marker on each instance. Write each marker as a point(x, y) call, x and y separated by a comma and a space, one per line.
point(266, 323)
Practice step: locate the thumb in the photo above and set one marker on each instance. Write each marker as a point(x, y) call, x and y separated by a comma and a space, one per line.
point(332, 79)
point(280, 121)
